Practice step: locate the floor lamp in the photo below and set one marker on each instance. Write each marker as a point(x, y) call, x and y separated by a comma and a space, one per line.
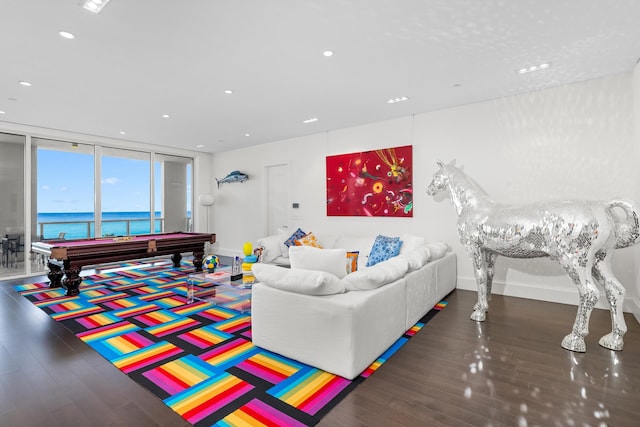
point(207, 200)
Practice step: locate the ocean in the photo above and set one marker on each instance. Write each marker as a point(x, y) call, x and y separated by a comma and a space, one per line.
point(79, 225)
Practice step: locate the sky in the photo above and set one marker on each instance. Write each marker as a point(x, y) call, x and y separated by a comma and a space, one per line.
point(66, 183)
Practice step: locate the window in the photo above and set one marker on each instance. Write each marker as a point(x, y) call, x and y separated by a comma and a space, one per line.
point(64, 201)
point(126, 193)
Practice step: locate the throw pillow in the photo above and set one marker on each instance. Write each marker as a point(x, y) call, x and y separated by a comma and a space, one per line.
point(299, 281)
point(295, 236)
point(308, 240)
point(352, 261)
point(383, 248)
point(327, 260)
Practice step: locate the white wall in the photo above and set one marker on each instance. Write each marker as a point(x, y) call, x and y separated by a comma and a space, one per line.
point(571, 142)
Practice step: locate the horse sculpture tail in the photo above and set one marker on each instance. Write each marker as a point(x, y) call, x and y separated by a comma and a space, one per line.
point(628, 230)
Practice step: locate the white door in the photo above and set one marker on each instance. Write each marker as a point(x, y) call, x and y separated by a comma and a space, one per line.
point(277, 198)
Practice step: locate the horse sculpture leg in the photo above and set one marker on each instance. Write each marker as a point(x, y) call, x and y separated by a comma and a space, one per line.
point(615, 296)
point(480, 270)
point(589, 295)
point(489, 262)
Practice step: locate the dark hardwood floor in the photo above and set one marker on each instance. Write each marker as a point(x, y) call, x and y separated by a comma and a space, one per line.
point(509, 370)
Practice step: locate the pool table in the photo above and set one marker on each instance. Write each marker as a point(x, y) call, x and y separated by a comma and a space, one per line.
point(67, 257)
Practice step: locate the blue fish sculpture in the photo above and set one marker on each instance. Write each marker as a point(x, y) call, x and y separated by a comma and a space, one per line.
point(235, 176)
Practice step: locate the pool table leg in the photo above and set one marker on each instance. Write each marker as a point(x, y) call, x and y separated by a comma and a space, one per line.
point(72, 280)
point(55, 275)
point(197, 259)
point(176, 258)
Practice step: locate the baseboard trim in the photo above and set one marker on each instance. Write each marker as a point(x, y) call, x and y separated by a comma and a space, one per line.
point(546, 293)
point(635, 309)
point(229, 252)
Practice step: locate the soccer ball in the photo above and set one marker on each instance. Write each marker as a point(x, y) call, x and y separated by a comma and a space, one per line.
point(211, 262)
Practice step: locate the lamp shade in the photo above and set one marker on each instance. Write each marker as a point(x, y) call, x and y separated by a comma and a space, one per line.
point(206, 199)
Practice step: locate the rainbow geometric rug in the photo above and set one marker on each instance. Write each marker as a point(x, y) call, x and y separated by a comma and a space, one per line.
point(197, 358)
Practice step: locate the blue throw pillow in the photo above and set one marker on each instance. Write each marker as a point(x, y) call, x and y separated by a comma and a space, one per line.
point(298, 234)
point(383, 249)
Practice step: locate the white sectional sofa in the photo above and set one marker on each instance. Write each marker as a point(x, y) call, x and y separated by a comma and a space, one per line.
point(343, 324)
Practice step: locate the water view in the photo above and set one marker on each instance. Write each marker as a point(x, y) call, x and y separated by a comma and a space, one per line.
point(78, 225)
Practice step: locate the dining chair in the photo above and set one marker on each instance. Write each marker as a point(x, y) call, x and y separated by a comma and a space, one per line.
point(5, 252)
point(15, 247)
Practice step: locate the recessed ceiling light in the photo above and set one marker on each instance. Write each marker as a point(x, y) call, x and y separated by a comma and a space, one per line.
point(534, 68)
point(94, 6)
point(2, 112)
point(66, 35)
point(23, 83)
point(228, 91)
point(122, 132)
point(200, 146)
point(247, 134)
point(399, 99)
point(311, 120)
point(327, 53)
point(166, 116)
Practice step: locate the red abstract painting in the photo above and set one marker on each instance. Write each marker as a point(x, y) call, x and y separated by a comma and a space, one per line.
point(371, 183)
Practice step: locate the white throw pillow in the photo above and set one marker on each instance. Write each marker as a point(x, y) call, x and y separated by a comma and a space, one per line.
point(271, 245)
point(326, 240)
point(437, 249)
point(308, 282)
point(332, 261)
point(417, 257)
point(410, 242)
point(377, 275)
point(283, 235)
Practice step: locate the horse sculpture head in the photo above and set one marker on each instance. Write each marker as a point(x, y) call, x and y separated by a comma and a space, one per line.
point(440, 180)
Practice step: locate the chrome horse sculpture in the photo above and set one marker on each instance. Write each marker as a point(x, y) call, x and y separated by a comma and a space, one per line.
point(580, 235)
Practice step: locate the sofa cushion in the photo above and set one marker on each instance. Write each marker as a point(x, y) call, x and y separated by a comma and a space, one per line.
point(383, 248)
point(361, 244)
point(377, 275)
point(270, 248)
point(332, 261)
point(417, 257)
point(437, 249)
point(309, 282)
point(410, 242)
point(284, 234)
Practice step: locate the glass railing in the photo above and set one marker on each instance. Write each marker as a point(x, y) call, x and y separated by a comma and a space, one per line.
point(85, 229)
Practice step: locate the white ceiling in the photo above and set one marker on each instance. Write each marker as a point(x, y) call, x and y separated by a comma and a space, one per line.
point(140, 59)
